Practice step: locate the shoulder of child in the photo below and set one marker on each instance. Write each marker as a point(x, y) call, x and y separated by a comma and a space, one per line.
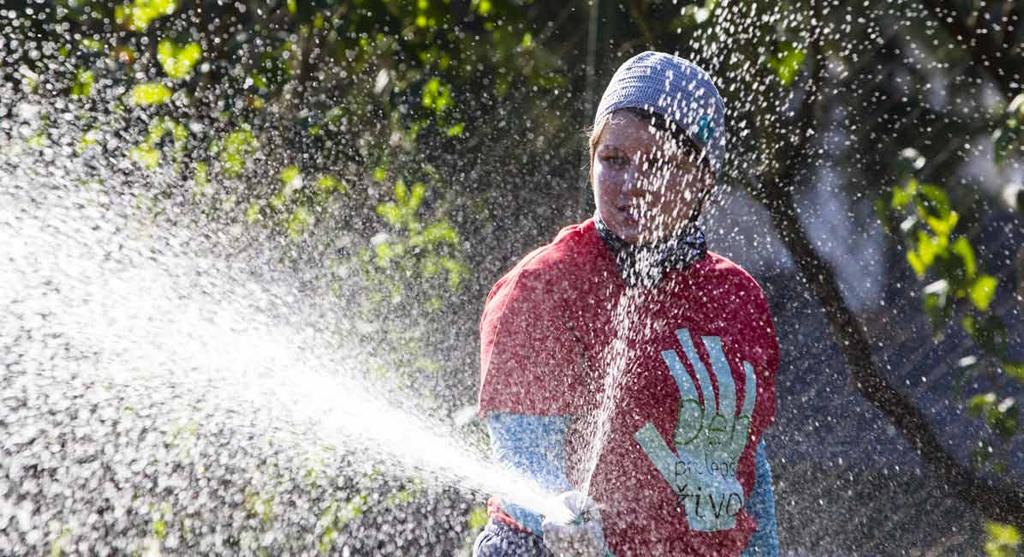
point(549, 265)
point(727, 272)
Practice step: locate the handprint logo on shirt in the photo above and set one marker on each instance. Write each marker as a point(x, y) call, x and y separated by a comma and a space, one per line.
point(708, 442)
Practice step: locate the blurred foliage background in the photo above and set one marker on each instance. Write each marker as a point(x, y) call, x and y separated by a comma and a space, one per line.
point(411, 151)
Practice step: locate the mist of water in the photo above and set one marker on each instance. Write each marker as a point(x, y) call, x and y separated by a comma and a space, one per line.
point(93, 285)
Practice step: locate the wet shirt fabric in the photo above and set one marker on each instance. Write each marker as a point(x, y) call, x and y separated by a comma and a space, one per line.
point(694, 357)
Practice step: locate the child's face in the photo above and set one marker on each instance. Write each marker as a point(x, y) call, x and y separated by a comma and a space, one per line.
point(645, 184)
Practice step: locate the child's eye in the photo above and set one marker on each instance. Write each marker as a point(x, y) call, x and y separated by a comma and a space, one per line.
point(616, 161)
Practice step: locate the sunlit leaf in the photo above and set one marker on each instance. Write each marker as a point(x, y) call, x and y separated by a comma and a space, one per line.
point(137, 15)
point(436, 95)
point(977, 404)
point(982, 291)
point(787, 63)
point(903, 196)
point(299, 222)
point(1014, 370)
point(943, 225)
point(329, 184)
point(147, 94)
point(962, 248)
point(201, 179)
point(146, 155)
point(235, 150)
point(419, 189)
point(82, 87)
point(252, 213)
point(291, 176)
point(934, 201)
point(440, 232)
point(477, 518)
point(456, 130)
point(401, 192)
point(89, 139)
point(178, 61)
point(1002, 540)
point(482, 7)
point(91, 44)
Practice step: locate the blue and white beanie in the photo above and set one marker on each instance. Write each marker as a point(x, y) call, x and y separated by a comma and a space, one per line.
point(675, 88)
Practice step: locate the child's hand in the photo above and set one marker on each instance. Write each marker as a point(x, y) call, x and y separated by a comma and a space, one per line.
point(574, 530)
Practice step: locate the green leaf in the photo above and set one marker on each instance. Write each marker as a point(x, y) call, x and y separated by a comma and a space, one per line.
point(1014, 370)
point(201, 178)
point(456, 271)
point(456, 130)
point(390, 213)
point(178, 61)
point(440, 233)
point(988, 331)
point(401, 192)
point(928, 249)
point(146, 155)
point(419, 189)
point(482, 7)
point(903, 196)
point(82, 87)
point(89, 139)
point(934, 200)
point(252, 213)
point(235, 150)
point(148, 94)
point(977, 405)
point(137, 15)
point(436, 96)
point(328, 184)
point(1002, 540)
point(290, 176)
point(787, 63)
point(91, 44)
point(299, 222)
point(477, 518)
point(943, 225)
point(160, 528)
point(982, 291)
point(58, 544)
point(962, 248)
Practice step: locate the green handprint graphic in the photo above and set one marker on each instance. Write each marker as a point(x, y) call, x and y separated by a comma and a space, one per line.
point(702, 470)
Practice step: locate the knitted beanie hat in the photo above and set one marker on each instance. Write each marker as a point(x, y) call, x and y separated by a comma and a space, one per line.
point(675, 88)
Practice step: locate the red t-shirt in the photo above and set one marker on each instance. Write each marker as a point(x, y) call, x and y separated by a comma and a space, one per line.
point(548, 333)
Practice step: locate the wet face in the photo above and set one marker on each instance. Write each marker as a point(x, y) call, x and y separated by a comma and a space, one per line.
point(646, 184)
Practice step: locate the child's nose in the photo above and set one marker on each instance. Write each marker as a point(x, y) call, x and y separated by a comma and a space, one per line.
point(631, 185)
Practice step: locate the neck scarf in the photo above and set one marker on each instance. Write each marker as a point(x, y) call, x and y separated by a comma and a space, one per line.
point(644, 265)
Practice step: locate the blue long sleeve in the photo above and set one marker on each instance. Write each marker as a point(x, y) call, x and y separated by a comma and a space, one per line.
point(535, 447)
point(761, 506)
